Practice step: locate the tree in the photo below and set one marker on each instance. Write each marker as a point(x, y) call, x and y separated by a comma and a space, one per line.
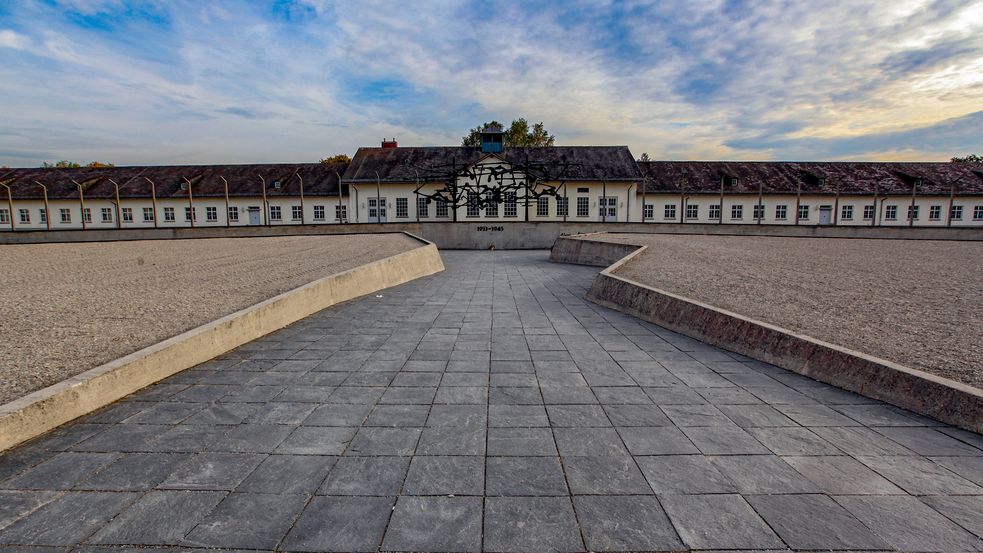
point(518, 135)
point(66, 164)
point(337, 158)
point(99, 164)
point(971, 158)
point(644, 157)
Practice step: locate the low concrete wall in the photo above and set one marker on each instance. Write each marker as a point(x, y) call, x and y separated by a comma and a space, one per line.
point(596, 253)
point(45, 409)
point(940, 398)
point(484, 235)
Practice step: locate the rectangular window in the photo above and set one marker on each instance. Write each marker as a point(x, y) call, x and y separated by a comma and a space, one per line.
point(148, 215)
point(168, 214)
point(473, 207)
point(846, 213)
point(737, 212)
point(341, 213)
point(648, 211)
point(803, 212)
point(319, 213)
point(511, 205)
point(402, 208)
point(868, 212)
point(935, 213)
point(543, 206)
point(25, 216)
point(669, 211)
point(781, 212)
point(891, 212)
point(583, 190)
point(43, 215)
point(978, 213)
point(107, 214)
point(442, 211)
point(692, 211)
point(234, 214)
point(189, 215)
point(759, 212)
point(4, 217)
point(127, 214)
point(422, 207)
point(87, 215)
point(714, 211)
point(562, 206)
point(583, 206)
point(65, 214)
point(957, 213)
point(913, 212)
point(275, 213)
point(609, 208)
point(491, 206)
point(211, 214)
point(296, 212)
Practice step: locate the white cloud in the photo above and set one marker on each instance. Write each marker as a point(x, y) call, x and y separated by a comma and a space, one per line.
point(13, 39)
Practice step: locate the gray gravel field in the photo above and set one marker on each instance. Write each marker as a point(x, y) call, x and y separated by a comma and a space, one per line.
point(915, 302)
point(66, 308)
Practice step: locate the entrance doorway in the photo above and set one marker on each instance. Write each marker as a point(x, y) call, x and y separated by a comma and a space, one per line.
point(608, 208)
point(825, 215)
point(377, 210)
point(253, 215)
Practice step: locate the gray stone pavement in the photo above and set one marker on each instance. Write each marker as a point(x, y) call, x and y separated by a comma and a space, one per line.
point(492, 408)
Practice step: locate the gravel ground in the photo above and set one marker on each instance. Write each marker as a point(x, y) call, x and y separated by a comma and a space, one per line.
point(66, 308)
point(914, 302)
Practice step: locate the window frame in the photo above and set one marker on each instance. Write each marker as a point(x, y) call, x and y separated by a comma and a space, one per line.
point(890, 213)
point(127, 214)
point(65, 215)
point(583, 206)
point(846, 212)
point(402, 208)
point(233, 214)
point(781, 212)
point(669, 212)
point(148, 211)
point(276, 213)
point(737, 212)
point(543, 206)
point(422, 207)
point(169, 215)
point(211, 214)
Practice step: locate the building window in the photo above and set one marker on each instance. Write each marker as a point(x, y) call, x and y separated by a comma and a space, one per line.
point(956, 213)
point(978, 213)
point(803, 212)
point(422, 207)
point(734, 181)
point(543, 206)
point(759, 212)
point(609, 208)
point(402, 208)
point(234, 214)
point(669, 211)
point(583, 190)
point(868, 212)
point(107, 214)
point(648, 211)
point(211, 214)
point(511, 208)
point(43, 215)
point(148, 214)
point(714, 211)
point(891, 212)
point(737, 212)
point(913, 212)
point(692, 211)
point(275, 213)
point(341, 212)
point(168, 214)
point(583, 206)
point(473, 209)
point(65, 214)
point(4, 217)
point(562, 206)
point(87, 215)
point(127, 214)
point(781, 212)
point(935, 213)
point(442, 208)
point(295, 212)
point(189, 215)
point(491, 206)
point(319, 212)
point(25, 216)
point(846, 213)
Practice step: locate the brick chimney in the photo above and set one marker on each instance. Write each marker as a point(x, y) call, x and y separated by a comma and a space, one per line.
point(389, 143)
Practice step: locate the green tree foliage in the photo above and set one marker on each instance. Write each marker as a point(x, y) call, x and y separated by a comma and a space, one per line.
point(337, 158)
point(66, 164)
point(971, 158)
point(644, 157)
point(518, 134)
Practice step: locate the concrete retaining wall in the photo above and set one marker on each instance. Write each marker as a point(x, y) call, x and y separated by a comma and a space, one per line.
point(940, 398)
point(482, 236)
point(45, 409)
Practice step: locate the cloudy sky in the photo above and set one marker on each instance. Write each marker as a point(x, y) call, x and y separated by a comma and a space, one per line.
point(175, 81)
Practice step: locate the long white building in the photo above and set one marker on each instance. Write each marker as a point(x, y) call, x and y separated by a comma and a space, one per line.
point(494, 184)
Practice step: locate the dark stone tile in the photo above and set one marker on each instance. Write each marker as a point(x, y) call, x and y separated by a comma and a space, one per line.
point(659, 440)
point(814, 522)
point(165, 413)
point(568, 395)
point(521, 442)
point(970, 468)
point(589, 442)
point(756, 416)
point(762, 474)
point(696, 415)
point(513, 380)
point(676, 395)
point(67, 520)
point(252, 438)
point(458, 415)
point(531, 524)
point(524, 476)
point(636, 415)
point(282, 413)
point(605, 475)
point(248, 521)
point(213, 471)
point(225, 413)
point(625, 523)
point(464, 379)
point(158, 518)
point(305, 393)
point(409, 396)
point(577, 416)
point(188, 439)
point(61, 472)
point(395, 416)
point(354, 395)
point(452, 440)
point(445, 476)
point(964, 510)
point(928, 441)
point(384, 441)
point(724, 440)
point(17, 504)
point(859, 441)
point(340, 524)
point(462, 395)
point(435, 524)
point(517, 416)
point(919, 476)
point(338, 415)
point(135, 472)
point(907, 524)
point(417, 379)
point(377, 476)
point(842, 475)
point(288, 474)
point(718, 522)
point(793, 440)
point(123, 438)
point(514, 396)
point(683, 474)
point(816, 415)
point(622, 395)
point(878, 414)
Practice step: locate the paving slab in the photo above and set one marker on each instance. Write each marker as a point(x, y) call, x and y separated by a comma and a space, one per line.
point(490, 407)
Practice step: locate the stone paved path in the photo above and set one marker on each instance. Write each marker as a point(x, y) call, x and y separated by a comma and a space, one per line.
point(491, 408)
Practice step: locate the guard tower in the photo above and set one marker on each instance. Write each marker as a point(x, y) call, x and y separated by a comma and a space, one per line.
point(492, 139)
